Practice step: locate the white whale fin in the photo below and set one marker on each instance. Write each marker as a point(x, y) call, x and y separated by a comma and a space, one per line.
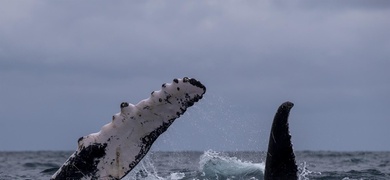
point(121, 144)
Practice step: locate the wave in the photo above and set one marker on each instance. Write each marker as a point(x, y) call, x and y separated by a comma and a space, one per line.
point(215, 165)
point(49, 168)
point(212, 166)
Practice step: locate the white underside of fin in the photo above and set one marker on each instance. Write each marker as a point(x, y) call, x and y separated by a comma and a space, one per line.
point(132, 131)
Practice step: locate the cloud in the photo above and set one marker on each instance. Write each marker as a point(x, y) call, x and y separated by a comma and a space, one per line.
point(77, 61)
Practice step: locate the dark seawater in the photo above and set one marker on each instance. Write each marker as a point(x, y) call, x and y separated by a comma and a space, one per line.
point(210, 165)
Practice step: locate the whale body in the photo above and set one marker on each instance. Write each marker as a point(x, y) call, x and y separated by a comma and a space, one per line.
point(121, 144)
point(280, 163)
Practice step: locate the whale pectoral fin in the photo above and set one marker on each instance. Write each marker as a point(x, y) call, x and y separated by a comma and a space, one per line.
point(280, 162)
point(121, 144)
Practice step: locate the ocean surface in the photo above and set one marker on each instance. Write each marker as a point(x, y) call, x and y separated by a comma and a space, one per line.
point(210, 165)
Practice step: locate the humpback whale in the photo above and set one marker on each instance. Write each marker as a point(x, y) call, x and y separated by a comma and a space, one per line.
point(120, 145)
point(280, 163)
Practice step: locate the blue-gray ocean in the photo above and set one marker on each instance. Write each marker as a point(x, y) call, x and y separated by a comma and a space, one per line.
point(210, 165)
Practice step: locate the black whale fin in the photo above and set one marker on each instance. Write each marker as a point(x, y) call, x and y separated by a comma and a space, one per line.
point(280, 163)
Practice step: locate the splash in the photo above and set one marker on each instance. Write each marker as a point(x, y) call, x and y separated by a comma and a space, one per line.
point(144, 170)
point(212, 166)
point(304, 173)
point(218, 166)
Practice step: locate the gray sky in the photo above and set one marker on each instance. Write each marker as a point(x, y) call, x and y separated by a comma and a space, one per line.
point(65, 67)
